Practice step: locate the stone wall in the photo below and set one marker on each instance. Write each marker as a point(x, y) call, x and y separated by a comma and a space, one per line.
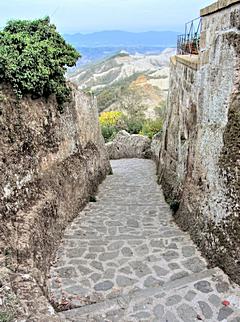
point(51, 164)
point(200, 159)
point(178, 130)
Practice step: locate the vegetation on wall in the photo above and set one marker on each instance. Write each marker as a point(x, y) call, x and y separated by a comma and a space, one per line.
point(34, 58)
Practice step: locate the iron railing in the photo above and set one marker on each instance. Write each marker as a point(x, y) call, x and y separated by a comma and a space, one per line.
point(189, 43)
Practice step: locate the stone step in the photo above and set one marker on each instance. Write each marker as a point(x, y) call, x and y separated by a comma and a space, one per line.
point(123, 301)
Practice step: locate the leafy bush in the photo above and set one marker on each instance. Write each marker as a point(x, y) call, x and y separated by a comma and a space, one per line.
point(110, 118)
point(34, 58)
point(132, 125)
point(151, 127)
point(114, 121)
point(110, 124)
point(109, 132)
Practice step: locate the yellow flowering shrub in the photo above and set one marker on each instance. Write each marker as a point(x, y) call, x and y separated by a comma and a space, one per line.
point(113, 121)
point(110, 118)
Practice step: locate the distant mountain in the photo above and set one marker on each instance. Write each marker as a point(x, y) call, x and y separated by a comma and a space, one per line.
point(94, 54)
point(124, 68)
point(118, 67)
point(116, 80)
point(91, 55)
point(123, 39)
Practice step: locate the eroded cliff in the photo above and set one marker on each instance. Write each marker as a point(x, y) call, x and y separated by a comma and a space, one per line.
point(51, 164)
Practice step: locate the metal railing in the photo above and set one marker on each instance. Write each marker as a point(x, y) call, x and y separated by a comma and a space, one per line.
point(189, 43)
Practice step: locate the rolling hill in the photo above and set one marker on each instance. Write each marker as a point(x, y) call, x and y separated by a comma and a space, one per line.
point(125, 80)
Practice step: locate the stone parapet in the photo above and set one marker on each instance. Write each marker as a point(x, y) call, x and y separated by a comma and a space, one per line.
point(216, 6)
point(191, 61)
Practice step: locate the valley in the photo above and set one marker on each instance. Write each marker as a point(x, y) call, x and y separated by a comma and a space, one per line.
point(124, 81)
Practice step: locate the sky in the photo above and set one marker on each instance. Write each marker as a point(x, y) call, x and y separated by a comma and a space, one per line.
point(85, 16)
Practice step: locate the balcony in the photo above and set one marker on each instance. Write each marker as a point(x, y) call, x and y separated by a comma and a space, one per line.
point(189, 42)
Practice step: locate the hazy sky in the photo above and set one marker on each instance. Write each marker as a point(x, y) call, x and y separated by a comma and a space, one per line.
point(72, 16)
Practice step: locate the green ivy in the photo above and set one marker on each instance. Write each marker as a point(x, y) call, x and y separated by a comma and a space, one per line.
point(34, 58)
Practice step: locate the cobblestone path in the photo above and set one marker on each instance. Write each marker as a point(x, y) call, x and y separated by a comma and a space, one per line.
point(124, 259)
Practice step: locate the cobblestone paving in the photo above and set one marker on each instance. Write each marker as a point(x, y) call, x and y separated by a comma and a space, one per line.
point(124, 259)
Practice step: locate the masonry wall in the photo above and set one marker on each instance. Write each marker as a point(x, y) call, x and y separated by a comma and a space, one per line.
point(178, 129)
point(200, 156)
point(51, 164)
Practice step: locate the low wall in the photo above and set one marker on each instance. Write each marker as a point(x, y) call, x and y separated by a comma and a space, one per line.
point(199, 160)
point(51, 164)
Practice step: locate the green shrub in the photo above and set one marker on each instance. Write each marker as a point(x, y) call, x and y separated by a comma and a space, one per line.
point(109, 122)
point(109, 132)
point(133, 125)
point(113, 121)
point(151, 127)
point(34, 58)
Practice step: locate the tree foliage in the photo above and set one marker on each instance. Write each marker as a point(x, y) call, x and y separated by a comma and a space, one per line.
point(34, 58)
